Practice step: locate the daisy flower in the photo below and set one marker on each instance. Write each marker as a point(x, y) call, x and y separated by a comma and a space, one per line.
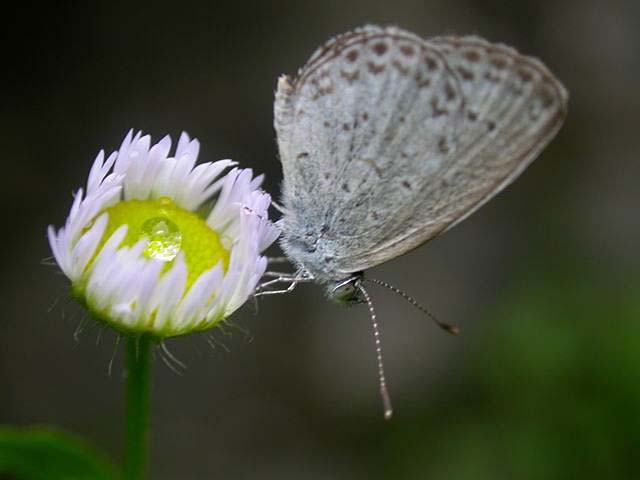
point(159, 245)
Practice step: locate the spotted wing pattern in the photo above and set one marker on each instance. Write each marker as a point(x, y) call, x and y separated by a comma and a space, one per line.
point(387, 140)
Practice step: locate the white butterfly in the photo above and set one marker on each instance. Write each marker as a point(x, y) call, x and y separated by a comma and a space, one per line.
point(388, 140)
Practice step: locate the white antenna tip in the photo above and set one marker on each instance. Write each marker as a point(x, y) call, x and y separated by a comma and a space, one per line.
point(386, 403)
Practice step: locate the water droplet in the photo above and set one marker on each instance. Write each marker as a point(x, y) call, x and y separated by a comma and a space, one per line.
point(164, 236)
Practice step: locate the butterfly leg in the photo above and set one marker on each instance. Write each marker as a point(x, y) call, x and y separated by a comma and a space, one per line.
point(300, 275)
point(287, 275)
point(278, 277)
point(289, 289)
point(273, 260)
point(278, 207)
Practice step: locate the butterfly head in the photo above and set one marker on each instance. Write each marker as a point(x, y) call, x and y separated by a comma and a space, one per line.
point(347, 291)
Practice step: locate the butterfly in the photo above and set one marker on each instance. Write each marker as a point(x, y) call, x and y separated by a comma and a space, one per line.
point(388, 140)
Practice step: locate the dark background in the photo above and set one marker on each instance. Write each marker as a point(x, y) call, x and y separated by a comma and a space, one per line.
point(544, 381)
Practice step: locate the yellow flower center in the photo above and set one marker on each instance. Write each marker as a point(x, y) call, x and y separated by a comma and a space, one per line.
point(169, 230)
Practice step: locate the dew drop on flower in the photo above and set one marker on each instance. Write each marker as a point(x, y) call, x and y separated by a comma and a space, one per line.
point(164, 237)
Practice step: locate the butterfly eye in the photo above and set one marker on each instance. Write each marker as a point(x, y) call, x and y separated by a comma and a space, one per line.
point(346, 292)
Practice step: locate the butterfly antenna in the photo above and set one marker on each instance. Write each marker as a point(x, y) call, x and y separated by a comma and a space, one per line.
point(452, 329)
point(384, 393)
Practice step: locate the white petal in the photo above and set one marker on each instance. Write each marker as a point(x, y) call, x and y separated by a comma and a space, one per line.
point(198, 296)
point(86, 246)
point(170, 291)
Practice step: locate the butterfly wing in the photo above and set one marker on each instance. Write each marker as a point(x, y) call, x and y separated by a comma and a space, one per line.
point(387, 140)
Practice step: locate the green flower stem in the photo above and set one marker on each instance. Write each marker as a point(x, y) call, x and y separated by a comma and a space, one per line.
point(137, 398)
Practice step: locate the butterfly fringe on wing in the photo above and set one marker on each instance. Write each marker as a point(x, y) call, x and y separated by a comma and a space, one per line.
point(387, 140)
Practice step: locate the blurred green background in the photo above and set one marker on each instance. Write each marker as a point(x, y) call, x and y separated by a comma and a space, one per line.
point(544, 381)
